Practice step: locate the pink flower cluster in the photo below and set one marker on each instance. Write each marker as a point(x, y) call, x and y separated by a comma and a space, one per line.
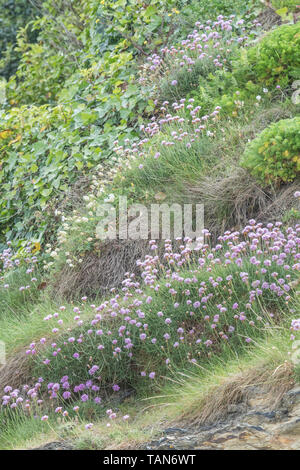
point(208, 41)
point(212, 295)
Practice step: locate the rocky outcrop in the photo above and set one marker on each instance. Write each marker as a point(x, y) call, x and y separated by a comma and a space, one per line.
point(56, 445)
point(251, 424)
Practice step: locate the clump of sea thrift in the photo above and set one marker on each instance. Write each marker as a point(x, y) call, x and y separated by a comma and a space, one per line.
point(206, 49)
point(190, 304)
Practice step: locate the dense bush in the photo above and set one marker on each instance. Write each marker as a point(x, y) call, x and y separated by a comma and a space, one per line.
point(289, 4)
point(14, 14)
point(84, 65)
point(46, 149)
point(225, 90)
point(45, 65)
point(269, 66)
point(274, 156)
point(274, 60)
point(41, 73)
point(75, 36)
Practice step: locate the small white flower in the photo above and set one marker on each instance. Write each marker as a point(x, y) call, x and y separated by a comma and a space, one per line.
point(110, 198)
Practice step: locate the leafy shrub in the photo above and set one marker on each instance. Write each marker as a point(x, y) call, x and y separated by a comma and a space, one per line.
point(275, 60)
point(31, 167)
point(34, 83)
point(274, 156)
point(289, 4)
point(45, 65)
point(71, 37)
point(14, 14)
point(89, 77)
point(223, 89)
point(213, 8)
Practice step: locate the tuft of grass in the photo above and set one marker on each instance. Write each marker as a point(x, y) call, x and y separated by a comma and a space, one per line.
point(208, 157)
point(203, 396)
point(16, 432)
point(88, 441)
point(27, 324)
point(193, 397)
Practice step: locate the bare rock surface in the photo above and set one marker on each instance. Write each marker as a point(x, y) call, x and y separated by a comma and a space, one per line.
point(252, 424)
point(55, 445)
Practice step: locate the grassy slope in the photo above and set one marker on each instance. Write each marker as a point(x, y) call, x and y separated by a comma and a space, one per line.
point(22, 317)
point(192, 386)
point(187, 396)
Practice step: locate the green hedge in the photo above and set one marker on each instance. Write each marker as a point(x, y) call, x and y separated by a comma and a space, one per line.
point(274, 156)
point(274, 60)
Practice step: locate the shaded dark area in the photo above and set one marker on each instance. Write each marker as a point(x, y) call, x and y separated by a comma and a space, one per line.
point(14, 14)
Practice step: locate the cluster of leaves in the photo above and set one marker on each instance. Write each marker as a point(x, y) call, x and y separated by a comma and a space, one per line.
point(72, 36)
point(82, 73)
point(289, 4)
point(224, 89)
point(46, 149)
point(275, 59)
point(212, 8)
point(45, 65)
point(14, 14)
point(274, 156)
point(32, 166)
point(144, 25)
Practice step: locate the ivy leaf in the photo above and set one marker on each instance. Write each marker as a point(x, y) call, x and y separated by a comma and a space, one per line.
point(46, 192)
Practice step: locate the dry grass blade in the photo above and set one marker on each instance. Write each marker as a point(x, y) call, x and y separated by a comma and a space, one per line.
point(100, 272)
point(231, 201)
point(16, 371)
point(273, 384)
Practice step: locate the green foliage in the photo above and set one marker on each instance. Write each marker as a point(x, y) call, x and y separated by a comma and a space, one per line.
point(188, 78)
point(274, 156)
point(30, 167)
point(40, 75)
point(209, 9)
point(45, 65)
point(274, 60)
point(71, 37)
point(225, 90)
point(14, 14)
point(16, 429)
point(84, 65)
point(38, 165)
point(289, 4)
point(143, 25)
